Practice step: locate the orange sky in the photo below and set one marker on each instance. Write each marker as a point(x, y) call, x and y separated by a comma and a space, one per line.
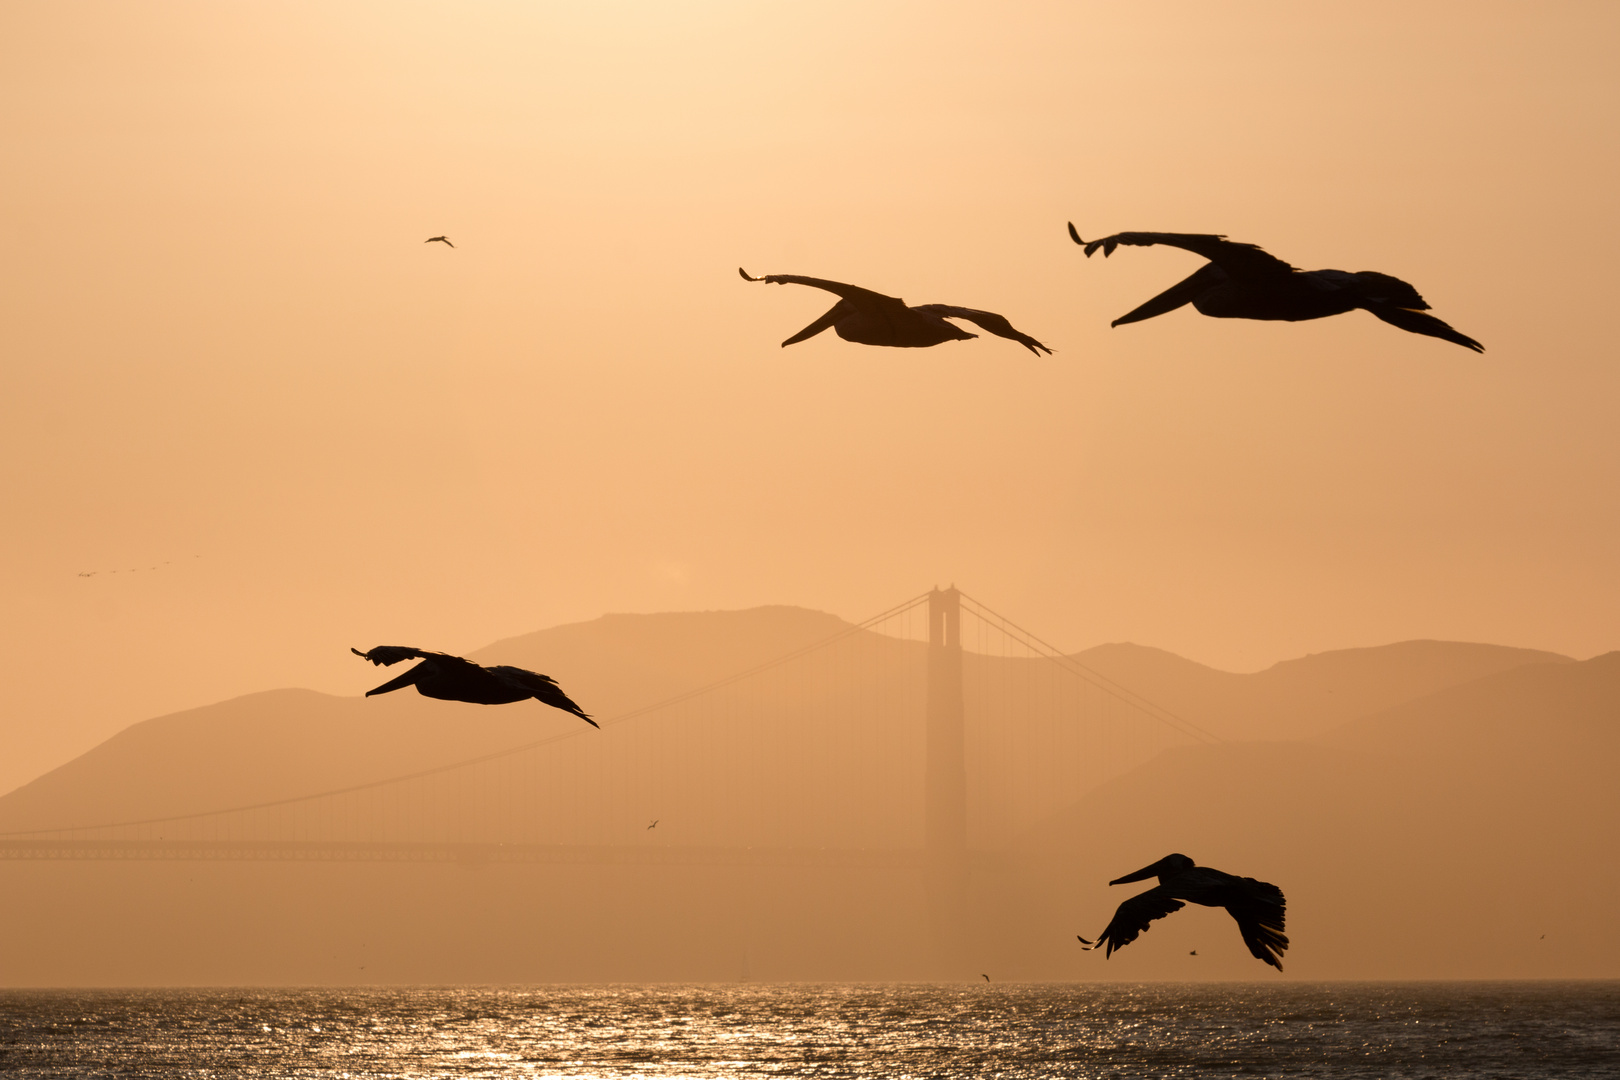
point(228, 354)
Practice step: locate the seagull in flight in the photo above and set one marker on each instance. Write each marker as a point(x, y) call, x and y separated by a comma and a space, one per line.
point(1240, 281)
point(1257, 906)
point(445, 240)
point(870, 318)
point(450, 678)
point(654, 825)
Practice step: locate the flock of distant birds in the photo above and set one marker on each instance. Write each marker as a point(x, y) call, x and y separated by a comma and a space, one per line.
point(132, 570)
point(1239, 281)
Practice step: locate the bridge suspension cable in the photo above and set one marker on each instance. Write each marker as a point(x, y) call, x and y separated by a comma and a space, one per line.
point(1074, 667)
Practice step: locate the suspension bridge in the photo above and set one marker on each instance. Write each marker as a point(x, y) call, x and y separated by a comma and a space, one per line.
point(932, 730)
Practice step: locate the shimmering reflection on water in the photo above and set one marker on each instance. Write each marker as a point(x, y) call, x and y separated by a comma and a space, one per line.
point(1564, 1030)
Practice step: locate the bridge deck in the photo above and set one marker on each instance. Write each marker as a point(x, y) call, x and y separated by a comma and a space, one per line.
point(557, 854)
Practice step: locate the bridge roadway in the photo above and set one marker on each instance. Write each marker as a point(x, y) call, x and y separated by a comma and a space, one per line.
point(462, 853)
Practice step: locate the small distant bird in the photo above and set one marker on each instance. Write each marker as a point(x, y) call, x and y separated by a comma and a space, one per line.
point(1193, 953)
point(654, 825)
point(450, 678)
point(445, 240)
point(870, 318)
point(1240, 281)
point(985, 977)
point(1257, 906)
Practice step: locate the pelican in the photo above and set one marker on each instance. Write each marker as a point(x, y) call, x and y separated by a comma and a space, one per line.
point(1240, 281)
point(445, 240)
point(450, 678)
point(870, 318)
point(1256, 905)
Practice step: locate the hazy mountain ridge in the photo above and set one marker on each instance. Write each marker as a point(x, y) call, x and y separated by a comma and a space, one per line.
point(1299, 698)
point(1574, 699)
point(617, 663)
point(258, 747)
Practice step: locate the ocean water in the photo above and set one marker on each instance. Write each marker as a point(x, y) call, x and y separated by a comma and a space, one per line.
point(1456, 1030)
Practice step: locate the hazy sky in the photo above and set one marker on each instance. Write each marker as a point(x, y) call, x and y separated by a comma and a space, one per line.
point(228, 354)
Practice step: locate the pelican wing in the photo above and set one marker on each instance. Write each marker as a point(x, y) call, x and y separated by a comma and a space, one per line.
point(543, 687)
point(985, 320)
point(1260, 912)
point(1134, 916)
point(1419, 322)
point(1374, 287)
point(1239, 260)
point(385, 655)
point(853, 293)
point(432, 663)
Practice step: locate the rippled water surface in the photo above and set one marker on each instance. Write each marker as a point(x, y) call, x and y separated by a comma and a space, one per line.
point(1322, 1030)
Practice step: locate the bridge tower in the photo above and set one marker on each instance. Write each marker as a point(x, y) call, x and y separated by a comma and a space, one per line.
point(945, 782)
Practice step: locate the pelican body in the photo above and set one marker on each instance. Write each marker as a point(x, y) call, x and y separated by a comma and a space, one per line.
point(450, 678)
point(1258, 906)
point(1241, 281)
point(871, 318)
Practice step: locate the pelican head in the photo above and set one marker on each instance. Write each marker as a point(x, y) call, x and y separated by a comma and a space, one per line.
point(1170, 864)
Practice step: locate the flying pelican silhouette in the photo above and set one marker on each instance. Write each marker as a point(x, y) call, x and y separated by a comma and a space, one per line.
point(870, 318)
point(445, 240)
point(450, 678)
point(1256, 905)
point(1240, 281)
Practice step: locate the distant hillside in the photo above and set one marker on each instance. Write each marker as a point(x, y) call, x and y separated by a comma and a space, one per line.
point(621, 662)
point(1444, 836)
point(287, 743)
point(1296, 699)
point(272, 745)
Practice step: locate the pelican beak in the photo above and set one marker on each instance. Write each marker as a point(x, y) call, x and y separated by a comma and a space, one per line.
point(1182, 292)
point(398, 683)
point(1142, 874)
point(839, 310)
